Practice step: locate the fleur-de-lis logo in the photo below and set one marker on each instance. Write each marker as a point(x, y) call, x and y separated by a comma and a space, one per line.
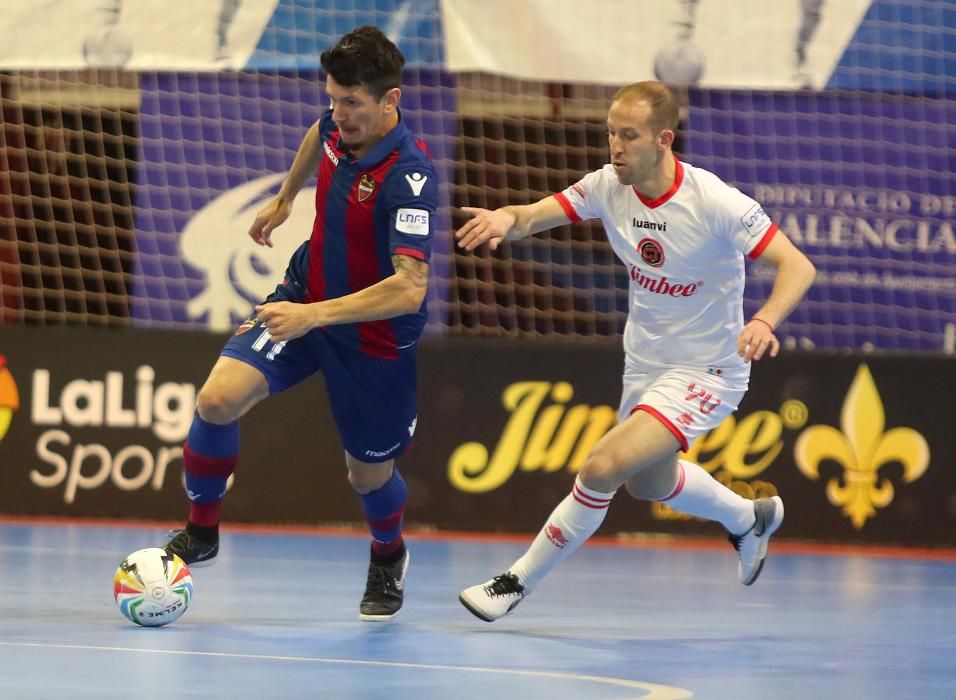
point(862, 448)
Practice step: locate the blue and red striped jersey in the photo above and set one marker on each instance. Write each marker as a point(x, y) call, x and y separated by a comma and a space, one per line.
point(367, 210)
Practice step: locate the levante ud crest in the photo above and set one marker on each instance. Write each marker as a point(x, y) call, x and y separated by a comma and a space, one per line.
point(366, 186)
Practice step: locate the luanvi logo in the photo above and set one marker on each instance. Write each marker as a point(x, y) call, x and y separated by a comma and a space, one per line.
point(9, 397)
point(652, 225)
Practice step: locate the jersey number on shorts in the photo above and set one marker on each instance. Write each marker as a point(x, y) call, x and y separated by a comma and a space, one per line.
point(707, 401)
point(264, 338)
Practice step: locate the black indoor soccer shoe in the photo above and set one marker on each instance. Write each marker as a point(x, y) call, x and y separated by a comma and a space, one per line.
point(195, 552)
point(384, 590)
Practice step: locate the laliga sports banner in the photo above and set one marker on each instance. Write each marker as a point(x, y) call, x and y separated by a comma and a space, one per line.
point(92, 423)
point(859, 446)
point(88, 420)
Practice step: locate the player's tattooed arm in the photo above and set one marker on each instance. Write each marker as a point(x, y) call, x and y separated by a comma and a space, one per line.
point(415, 271)
point(401, 293)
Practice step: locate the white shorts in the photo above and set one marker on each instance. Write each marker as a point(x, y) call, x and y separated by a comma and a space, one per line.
point(688, 402)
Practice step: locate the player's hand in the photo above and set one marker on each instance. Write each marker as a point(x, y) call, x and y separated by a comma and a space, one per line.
point(286, 320)
point(484, 226)
point(269, 217)
point(755, 340)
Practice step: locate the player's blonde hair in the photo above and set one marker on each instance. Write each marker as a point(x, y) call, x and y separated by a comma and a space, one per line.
point(664, 110)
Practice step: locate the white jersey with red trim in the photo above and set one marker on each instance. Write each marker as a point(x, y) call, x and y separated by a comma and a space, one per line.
point(684, 253)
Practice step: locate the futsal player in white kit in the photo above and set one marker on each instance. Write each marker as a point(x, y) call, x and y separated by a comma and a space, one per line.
point(683, 235)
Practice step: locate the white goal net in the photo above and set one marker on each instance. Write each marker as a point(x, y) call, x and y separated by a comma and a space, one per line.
point(139, 138)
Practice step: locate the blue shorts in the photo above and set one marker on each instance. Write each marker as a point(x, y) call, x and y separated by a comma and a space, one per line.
point(373, 399)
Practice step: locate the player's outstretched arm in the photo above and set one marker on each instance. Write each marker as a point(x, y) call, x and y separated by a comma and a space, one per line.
point(794, 276)
point(509, 223)
point(279, 208)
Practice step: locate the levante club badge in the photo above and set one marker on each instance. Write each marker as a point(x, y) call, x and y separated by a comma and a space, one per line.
point(248, 324)
point(366, 186)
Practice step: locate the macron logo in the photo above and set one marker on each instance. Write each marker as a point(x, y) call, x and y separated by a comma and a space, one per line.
point(416, 181)
point(331, 154)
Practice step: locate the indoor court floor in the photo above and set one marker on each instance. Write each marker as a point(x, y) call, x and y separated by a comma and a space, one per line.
point(276, 617)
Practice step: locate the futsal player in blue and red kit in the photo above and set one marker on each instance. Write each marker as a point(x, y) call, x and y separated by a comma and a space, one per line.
point(352, 305)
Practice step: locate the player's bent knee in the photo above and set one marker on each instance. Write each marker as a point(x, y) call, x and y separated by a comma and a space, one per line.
point(654, 483)
point(215, 407)
point(633, 490)
point(366, 477)
point(636, 488)
point(601, 473)
point(232, 388)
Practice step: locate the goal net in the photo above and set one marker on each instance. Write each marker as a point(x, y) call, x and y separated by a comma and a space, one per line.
point(139, 139)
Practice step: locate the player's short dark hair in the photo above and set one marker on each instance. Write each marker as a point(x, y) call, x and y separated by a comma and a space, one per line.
point(365, 57)
point(665, 113)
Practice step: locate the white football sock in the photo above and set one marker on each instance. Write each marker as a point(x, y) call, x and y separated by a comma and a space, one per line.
point(574, 520)
point(698, 493)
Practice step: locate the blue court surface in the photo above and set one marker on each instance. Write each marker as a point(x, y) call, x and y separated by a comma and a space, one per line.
point(277, 617)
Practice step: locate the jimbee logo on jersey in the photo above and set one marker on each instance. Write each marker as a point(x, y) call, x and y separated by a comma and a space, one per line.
point(755, 221)
point(366, 186)
point(412, 221)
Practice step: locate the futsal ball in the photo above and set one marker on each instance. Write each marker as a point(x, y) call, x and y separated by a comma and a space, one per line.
point(680, 63)
point(152, 587)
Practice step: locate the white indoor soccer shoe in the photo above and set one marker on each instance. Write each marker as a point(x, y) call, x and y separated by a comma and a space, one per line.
point(752, 545)
point(495, 598)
